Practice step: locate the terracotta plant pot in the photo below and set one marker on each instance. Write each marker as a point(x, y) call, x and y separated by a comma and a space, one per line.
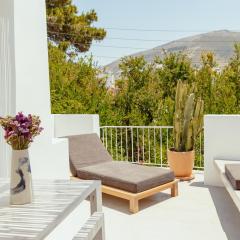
point(21, 179)
point(181, 163)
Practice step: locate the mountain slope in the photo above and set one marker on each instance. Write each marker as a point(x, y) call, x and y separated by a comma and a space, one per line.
point(219, 42)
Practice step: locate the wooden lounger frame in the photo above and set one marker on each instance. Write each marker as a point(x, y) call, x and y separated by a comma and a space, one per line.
point(134, 198)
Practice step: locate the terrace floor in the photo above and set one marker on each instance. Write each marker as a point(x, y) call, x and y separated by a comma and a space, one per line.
point(199, 212)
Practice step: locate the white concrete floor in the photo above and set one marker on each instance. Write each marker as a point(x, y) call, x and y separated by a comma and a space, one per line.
point(199, 212)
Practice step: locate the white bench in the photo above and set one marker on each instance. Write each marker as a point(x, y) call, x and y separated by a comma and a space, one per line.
point(93, 228)
point(235, 194)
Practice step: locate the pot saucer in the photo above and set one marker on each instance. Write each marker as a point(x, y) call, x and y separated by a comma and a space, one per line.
point(186, 178)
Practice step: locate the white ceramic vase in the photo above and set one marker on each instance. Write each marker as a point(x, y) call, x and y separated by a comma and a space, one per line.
point(21, 178)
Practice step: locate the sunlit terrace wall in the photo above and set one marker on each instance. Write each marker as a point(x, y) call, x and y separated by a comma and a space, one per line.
point(221, 141)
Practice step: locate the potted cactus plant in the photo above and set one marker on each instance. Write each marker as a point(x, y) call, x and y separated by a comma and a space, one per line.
point(187, 125)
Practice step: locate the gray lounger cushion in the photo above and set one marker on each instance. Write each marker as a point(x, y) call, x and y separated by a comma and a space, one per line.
point(232, 172)
point(85, 150)
point(90, 160)
point(127, 176)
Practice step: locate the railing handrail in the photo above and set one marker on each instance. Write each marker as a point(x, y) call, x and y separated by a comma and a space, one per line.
point(170, 127)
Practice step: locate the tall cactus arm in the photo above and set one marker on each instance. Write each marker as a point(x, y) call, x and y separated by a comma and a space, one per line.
point(190, 139)
point(180, 99)
point(188, 114)
point(177, 96)
point(177, 132)
point(198, 118)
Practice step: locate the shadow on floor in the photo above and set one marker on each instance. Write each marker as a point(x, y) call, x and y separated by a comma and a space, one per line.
point(122, 205)
point(228, 214)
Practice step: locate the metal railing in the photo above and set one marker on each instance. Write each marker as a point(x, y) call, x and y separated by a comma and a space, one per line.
point(144, 144)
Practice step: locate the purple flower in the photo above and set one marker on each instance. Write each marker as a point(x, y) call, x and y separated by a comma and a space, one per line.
point(21, 130)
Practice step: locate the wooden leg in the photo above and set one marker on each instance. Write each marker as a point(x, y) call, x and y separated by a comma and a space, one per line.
point(93, 202)
point(99, 235)
point(103, 230)
point(96, 201)
point(174, 190)
point(134, 208)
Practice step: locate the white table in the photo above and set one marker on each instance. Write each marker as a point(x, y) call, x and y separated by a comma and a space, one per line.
point(53, 213)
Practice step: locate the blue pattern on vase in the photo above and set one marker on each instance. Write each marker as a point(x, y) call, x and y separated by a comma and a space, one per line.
point(22, 183)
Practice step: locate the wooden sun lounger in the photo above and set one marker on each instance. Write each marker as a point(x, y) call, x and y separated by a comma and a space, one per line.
point(90, 160)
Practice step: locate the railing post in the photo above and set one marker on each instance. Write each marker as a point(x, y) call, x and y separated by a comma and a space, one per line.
point(149, 146)
point(143, 146)
point(111, 143)
point(154, 144)
point(161, 150)
point(103, 137)
point(132, 143)
point(137, 146)
point(200, 149)
point(116, 143)
point(121, 144)
point(106, 145)
point(127, 143)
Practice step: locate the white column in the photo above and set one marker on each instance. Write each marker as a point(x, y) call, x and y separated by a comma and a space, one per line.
point(7, 76)
point(28, 90)
point(221, 141)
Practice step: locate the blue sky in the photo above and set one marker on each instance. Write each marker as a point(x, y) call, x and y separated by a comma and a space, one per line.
point(173, 18)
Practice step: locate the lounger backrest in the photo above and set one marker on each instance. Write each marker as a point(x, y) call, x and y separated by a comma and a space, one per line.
point(86, 150)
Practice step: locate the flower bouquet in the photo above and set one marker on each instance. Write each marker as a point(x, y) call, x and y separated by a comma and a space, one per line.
point(20, 131)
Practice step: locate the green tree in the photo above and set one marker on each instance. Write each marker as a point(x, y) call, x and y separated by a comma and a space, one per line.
point(171, 68)
point(206, 79)
point(66, 26)
point(224, 97)
point(76, 87)
point(232, 73)
point(76, 83)
point(137, 96)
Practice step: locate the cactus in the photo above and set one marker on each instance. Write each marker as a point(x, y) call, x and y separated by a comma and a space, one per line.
point(188, 118)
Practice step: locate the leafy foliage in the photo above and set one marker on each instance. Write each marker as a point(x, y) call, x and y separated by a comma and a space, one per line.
point(66, 27)
point(144, 93)
point(76, 86)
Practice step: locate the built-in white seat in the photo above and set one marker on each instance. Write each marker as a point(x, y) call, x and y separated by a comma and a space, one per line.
point(235, 194)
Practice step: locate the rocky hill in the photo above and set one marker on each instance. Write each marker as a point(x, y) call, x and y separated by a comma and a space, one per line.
point(219, 42)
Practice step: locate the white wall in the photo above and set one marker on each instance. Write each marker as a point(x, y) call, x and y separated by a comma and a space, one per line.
point(221, 141)
point(7, 67)
point(29, 90)
point(75, 124)
point(7, 75)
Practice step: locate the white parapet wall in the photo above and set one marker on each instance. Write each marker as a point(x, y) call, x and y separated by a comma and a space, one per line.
point(221, 141)
point(75, 124)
